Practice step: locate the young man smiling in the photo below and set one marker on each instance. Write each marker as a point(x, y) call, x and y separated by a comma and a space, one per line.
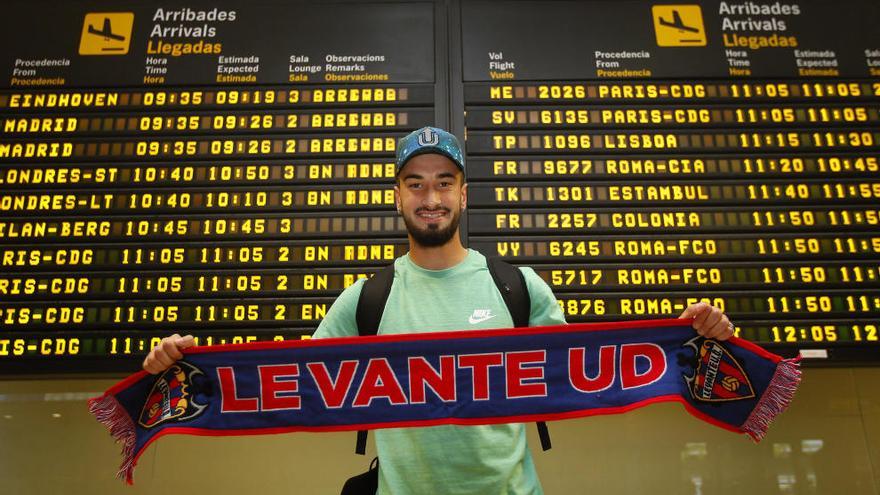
point(440, 285)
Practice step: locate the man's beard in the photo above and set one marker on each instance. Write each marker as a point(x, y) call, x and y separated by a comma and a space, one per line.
point(433, 235)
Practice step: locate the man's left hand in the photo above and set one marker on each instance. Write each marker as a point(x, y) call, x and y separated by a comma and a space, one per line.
point(709, 321)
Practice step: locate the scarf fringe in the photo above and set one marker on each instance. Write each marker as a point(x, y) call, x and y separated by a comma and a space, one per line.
point(775, 400)
point(111, 414)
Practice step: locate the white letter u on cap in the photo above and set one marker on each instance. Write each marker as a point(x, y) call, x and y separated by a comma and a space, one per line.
point(428, 137)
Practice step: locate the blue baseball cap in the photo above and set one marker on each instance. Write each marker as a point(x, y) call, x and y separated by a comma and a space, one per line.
point(429, 140)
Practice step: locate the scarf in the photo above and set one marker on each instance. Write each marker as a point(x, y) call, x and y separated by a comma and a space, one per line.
point(458, 377)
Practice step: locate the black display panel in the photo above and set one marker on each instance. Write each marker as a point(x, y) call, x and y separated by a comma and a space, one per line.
point(218, 170)
point(204, 43)
point(226, 170)
point(568, 40)
point(643, 156)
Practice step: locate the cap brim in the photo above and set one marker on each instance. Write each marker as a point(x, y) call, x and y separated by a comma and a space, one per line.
point(426, 150)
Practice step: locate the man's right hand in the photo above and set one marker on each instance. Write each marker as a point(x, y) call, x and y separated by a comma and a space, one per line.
point(166, 353)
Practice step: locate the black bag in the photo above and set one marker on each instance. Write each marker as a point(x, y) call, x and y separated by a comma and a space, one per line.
point(365, 483)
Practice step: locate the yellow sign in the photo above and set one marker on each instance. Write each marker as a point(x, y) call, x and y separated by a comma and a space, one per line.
point(679, 25)
point(106, 33)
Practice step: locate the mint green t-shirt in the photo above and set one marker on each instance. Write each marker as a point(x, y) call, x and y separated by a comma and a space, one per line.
point(449, 459)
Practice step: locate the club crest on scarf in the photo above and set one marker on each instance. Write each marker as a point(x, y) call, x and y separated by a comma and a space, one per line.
point(718, 376)
point(171, 398)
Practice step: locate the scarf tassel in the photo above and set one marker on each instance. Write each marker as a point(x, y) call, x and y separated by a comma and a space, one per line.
point(111, 414)
point(776, 398)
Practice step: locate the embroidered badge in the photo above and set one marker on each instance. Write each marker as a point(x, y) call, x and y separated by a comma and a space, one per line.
point(718, 377)
point(171, 398)
point(428, 137)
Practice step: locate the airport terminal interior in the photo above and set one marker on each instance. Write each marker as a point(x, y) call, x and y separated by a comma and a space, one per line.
point(226, 169)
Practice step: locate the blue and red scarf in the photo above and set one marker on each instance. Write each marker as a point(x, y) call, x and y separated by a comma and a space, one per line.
point(460, 377)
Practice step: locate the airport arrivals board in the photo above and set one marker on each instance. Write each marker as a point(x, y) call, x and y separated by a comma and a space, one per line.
point(226, 171)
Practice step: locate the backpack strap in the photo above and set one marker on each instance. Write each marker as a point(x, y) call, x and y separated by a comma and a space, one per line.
point(371, 305)
point(360, 447)
point(512, 285)
point(544, 435)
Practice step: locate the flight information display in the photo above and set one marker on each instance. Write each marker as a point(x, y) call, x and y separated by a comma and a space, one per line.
point(723, 152)
point(226, 171)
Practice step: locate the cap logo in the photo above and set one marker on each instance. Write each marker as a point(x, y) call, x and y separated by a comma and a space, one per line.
point(428, 137)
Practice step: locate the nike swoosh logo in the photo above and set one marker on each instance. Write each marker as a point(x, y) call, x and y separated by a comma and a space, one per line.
point(474, 321)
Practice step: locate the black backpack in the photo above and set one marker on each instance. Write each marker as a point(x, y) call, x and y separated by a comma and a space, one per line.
point(510, 283)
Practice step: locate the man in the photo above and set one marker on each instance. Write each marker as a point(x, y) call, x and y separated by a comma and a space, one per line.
point(440, 285)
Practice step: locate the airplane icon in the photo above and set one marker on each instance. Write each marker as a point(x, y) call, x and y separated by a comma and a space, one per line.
point(108, 33)
point(677, 23)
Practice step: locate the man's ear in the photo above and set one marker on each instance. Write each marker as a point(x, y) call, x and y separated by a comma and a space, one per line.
point(464, 197)
point(397, 196)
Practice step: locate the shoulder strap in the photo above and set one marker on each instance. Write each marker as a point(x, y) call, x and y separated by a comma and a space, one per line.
point(512, 285)
point(371, 303)
point(368, 315)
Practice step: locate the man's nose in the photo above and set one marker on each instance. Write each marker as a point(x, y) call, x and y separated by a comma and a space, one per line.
point(432, 198)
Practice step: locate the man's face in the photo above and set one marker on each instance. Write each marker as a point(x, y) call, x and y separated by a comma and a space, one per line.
point(430, 195)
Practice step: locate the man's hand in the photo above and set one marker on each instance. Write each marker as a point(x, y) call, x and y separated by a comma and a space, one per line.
point(709, 321)
point(166, 353)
